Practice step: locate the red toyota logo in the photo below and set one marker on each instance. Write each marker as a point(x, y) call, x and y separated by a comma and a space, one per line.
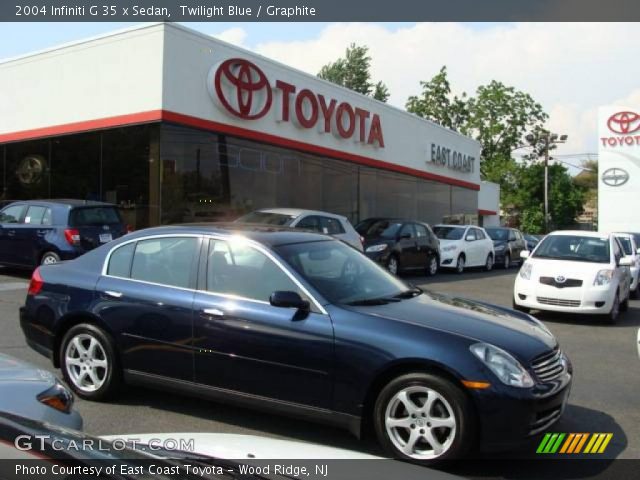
point(624, 122)
point(243, 89)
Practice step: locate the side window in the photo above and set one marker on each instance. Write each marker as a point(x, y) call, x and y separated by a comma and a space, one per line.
point(12, 214)
point(421, 231)
point(47, 218)
point(241, 270)
point(408, 228)
point(479, 234)
point(311, 222)
point(470, 235)
point(512, 236)
point(166, 261)
point(331, 226)
point(120, 261)
point(617, 251)
point(34, 215)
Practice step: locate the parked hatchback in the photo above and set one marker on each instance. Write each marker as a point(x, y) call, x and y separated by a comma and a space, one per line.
point(313, 220)
point(38, 232)
point(400, 245)
point(463, 246)
point(302, 324)
point(507, 245)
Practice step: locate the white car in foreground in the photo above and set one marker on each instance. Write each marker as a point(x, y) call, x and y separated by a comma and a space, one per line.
point(464, 246)
point(631, 250)
point(575, 271)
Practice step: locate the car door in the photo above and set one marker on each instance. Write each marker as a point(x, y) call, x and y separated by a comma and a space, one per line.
point(622, 272)
point(31, 234)
point(470, 246)
point(518, 245)
point(310, 222)
point(423, 244)
point(244, 344)
point(146, 296)
point(10, 248)
point(484, 245)
point(408, 246)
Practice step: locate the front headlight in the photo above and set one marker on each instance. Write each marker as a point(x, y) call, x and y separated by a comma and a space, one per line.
point(499, 248)
point(449, 248)
point(505, 367)
point(603, 278)
point(377, 248)
point(525, 270)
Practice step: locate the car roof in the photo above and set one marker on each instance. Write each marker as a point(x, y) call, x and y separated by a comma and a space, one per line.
point(70, 202)
point(456, 226)
point(296, 212)
point(581, 233)
point(269, 235)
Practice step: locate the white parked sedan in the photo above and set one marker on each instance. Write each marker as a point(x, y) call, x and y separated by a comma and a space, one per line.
point(631, 250)
point(464, 246)
point(575, 271)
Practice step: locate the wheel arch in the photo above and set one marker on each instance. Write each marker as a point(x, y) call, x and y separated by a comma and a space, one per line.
point(69, 321)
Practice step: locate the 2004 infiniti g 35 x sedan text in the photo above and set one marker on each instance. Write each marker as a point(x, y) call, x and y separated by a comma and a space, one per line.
point(302, 324)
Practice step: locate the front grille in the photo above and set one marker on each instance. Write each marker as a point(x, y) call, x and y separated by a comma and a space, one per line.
point(549, 366)
point(558, 302)
point(569, 282)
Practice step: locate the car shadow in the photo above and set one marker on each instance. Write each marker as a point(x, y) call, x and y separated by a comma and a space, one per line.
point(525, 463)
point(22, 274)
point(630, 318)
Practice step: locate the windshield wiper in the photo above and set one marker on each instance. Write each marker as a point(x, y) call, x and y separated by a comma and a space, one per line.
point(372, 301)
point(410, 293)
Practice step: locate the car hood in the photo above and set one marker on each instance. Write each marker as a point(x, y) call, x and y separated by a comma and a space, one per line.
point(236, 446)
point(497, 243)
point(585, 271)
point(518, 333)
point(14, 370)
point(368, 241)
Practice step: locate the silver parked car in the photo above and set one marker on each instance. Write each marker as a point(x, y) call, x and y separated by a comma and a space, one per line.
point(317, 221)
point(31, 392)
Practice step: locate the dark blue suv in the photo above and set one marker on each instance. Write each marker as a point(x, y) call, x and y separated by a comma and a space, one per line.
point(38, 232)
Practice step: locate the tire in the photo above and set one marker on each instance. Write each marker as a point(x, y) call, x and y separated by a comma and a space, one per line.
point(49, 258)
point(519, 308)
point(393, 265)
point(460, 263)
point(95, 371)
point(488, 265)
point(432, 265)
point(635, 293)
point(410, 439)
point(624, 306)
point(507, 261)
point(613, 315)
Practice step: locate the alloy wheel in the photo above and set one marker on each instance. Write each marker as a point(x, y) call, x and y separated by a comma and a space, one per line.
point(393, 265)
point(49, 260)
point(86, 362)
point(507, 261)
point(420, 423)
point(460, 265)
point(433, 265)
point(489, 264)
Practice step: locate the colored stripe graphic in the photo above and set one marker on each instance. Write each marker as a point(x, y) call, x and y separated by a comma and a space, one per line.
point(573, 443)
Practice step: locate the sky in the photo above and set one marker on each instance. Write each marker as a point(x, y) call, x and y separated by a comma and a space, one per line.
point(570, 68)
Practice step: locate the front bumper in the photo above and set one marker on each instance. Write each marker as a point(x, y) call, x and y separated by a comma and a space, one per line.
point(510, 416)
point(379, 257)
point(585, 299)
point(449, 259)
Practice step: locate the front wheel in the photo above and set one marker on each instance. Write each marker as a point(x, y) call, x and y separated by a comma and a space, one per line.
point(393, 265)
point(89, 362)
point(614, 313)
point(424, 418)
point(460, 264)
point(507, 261)
point(488, 265)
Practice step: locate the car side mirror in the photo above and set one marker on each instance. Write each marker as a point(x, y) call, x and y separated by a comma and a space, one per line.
point(524, 254)
point(286, 299)
point(638, 250)
point(625, 262)
point(470, 238)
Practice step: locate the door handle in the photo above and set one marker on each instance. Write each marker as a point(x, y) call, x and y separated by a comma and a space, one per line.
point(213, 312)
point(11, 233)
point(111, 293)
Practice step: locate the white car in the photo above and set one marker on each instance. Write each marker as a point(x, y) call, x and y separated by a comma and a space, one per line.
point(321, 222)
point(631, 250)
point(464, 246)
point(575, 271)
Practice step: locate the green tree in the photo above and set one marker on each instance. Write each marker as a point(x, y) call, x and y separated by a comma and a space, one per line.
point(438, 105)
point(354, 71)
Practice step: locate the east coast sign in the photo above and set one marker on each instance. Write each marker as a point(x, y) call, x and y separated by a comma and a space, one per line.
point(241, 89)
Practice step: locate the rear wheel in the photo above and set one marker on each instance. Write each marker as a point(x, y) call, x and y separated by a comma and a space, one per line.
point(432, 265)
point(89, 362)
point(49, 258)
point(424, 418)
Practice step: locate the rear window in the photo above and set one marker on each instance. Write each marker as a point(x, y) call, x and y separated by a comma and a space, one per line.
point(626, 245)
point(449, 233)
point(92, 216)
point(267, 218)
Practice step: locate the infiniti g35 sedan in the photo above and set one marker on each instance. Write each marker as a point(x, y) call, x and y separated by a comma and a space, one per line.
point(301, 324)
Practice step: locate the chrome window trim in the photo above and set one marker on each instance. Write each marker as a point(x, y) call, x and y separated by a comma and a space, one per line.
point(207, 236)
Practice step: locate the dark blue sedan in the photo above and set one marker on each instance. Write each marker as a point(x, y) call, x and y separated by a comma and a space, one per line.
point(301, 324)
point(34, 232)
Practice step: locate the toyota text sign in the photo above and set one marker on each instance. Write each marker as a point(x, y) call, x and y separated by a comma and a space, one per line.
point(240, 88)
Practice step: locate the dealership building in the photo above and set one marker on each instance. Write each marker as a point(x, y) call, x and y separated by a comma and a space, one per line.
point(175, 126)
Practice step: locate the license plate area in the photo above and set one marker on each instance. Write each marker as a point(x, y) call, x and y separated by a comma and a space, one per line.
point(105, 237)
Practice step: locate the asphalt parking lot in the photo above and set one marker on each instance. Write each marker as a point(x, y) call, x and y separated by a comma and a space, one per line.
point(604, 397)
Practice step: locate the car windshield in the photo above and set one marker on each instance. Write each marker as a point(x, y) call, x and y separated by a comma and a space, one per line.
point(92, 216)
point(267, 218)
point(380, 229)
point(626, 245)
point(498, 233)
point(575, 248)
point(342, 274)
point(449, 233)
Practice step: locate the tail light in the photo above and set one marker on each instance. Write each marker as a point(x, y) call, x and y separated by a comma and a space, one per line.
point(36, 283)
point(129, 228)
point(72, 235)
point(57, 397)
